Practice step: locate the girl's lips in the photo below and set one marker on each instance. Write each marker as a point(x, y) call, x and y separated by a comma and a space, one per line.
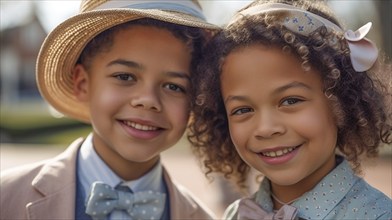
point(279, 155)
point(278, 152)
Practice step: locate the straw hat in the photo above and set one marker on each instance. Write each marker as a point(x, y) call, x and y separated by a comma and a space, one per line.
point(63, 46)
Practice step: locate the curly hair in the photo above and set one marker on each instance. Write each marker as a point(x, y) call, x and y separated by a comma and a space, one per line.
point(361, 101)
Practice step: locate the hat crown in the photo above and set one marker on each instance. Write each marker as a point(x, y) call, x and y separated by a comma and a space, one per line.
point(63, 46)
point(91, 5)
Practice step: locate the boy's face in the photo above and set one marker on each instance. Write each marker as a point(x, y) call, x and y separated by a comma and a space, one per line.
point(279, 118)
point(137, 95)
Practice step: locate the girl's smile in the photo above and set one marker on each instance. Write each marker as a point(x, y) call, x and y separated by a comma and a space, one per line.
point(278, 155)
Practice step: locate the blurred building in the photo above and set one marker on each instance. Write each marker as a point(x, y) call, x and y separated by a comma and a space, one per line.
point(19, 46)
point(22, 33)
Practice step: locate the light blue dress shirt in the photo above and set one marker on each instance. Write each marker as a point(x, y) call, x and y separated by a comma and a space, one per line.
point(91, 168)
point(339, 195)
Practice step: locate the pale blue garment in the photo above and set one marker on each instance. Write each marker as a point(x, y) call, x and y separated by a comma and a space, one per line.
point(92, 168)
point(339, 195)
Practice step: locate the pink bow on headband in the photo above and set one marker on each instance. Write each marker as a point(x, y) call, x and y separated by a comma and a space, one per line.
point(248, 210)
point(363, 52)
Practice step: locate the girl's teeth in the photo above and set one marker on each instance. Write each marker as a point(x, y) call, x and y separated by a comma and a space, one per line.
point(140, 126)
point(278, 153)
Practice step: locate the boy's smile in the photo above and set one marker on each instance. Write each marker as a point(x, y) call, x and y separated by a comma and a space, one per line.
point(137, 95)
point(140, 129)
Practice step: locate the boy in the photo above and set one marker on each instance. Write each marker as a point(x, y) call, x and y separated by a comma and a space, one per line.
point(125, 67)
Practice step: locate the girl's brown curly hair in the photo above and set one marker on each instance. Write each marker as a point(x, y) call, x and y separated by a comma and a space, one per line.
point(361, 101)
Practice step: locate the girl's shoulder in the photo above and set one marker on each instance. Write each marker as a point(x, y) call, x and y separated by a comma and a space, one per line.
point(343, 195)
point(367, 201)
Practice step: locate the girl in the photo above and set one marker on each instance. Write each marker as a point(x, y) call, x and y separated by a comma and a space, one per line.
point(293, 95)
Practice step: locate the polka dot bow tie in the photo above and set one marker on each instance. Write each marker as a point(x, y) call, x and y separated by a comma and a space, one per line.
point(104, 199)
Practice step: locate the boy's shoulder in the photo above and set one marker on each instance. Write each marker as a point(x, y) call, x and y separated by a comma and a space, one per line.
point(23, 174)
point(33, 184)
point(29, 171)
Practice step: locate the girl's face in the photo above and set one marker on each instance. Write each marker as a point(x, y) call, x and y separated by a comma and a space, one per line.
point(279, 118)
point(137, 95)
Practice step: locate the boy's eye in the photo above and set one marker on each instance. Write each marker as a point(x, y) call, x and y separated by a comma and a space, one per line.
point(124, 77)
point(290, 101)
point(241, 111)
point(175, 87)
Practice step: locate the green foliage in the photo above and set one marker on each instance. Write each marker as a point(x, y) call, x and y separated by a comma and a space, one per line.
point(38, 127)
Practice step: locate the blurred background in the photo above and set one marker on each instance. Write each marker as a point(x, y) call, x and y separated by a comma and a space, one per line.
point(31, 130)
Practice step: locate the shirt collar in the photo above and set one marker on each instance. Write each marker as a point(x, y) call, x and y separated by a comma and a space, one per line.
point(327, 194)
point(92, 168)
point(324, 196)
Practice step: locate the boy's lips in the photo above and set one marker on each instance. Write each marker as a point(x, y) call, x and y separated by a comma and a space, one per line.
point(141, 129)
point(139, 126)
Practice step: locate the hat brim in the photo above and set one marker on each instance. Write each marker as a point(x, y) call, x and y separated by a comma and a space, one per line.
point(62, 48)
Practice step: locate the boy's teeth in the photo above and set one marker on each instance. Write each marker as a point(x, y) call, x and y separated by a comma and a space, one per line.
point(140, 126)
point(278, 153)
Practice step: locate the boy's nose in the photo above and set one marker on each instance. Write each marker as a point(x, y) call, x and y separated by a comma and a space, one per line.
point(146, 99)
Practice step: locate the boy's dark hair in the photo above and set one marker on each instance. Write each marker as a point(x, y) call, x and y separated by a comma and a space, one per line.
point(361, 101)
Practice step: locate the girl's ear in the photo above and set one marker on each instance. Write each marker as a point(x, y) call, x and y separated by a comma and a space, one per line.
point(80, 82)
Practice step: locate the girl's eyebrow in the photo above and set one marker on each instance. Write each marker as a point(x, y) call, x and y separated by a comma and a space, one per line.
point(235, 98)
point(283, 88)
point(294, 84)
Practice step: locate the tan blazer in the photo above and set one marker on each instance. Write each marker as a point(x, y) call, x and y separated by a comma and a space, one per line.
point(46, 190)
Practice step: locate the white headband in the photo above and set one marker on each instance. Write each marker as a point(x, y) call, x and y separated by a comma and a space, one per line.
point(363, 52)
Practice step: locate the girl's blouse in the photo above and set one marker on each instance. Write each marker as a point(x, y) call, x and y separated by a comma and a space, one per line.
point(339, 195)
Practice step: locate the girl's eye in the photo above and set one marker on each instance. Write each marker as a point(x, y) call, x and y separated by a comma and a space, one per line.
point(241, 111)
point(290, 101)
point(124, 77)
point(175, 87)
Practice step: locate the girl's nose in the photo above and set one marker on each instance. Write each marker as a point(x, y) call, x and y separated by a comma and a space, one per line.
point(269, 124)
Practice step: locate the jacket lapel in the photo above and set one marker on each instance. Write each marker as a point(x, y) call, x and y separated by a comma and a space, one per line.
point(57, 183)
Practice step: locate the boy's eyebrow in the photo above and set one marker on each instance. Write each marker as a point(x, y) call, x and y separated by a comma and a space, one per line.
point(127, 63)
point(179, 75)
point(276, 91)
point(133, 64)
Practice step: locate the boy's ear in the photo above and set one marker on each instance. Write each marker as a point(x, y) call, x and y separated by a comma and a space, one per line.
point(80, 82)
